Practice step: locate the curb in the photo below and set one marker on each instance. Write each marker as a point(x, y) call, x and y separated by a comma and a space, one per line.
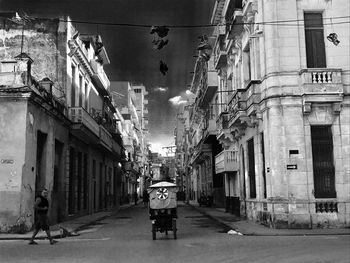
point(229, 227)
point(69, 233)
point(222, 223)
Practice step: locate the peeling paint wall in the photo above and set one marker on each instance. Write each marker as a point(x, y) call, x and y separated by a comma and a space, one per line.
point(12, 152)
point(44, 43)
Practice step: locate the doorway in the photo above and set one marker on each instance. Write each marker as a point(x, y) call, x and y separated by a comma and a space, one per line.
point(323, 165)
point(40, 178)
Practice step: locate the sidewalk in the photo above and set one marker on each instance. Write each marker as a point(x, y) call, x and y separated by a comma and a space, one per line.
point(67, 228)
point(250, 228)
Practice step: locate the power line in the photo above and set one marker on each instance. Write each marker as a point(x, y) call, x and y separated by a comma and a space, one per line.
point(274, 22)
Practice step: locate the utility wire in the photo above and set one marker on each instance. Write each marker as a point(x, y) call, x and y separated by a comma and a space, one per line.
point(275, 22)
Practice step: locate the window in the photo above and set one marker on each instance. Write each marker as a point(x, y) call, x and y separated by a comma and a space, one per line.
point(80, 91)
point(323, 165)
point(86, 96)
point(137, 90)
point(251, 169)
point(247, 72)
point(314, 40)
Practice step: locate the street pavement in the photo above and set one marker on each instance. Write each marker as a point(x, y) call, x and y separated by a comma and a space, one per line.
point(126, 237)
point(229, 222)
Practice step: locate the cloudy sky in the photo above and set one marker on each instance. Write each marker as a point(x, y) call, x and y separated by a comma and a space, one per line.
point(130, 48)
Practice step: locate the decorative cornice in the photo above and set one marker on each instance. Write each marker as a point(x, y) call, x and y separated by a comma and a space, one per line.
point(75, 50)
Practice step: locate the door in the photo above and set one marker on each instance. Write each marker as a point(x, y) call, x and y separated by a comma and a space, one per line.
point(251, 169)
point(40, 178)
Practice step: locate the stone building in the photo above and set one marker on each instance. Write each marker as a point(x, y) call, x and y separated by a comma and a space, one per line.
point(57, 122)
point(288, 109)
point(282, 110)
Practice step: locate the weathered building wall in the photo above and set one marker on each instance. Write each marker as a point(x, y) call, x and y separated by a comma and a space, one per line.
point(12, 164)
point(56, 132)
point(45, 42)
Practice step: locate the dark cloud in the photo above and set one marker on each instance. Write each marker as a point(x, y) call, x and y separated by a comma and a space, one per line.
point(130, 49)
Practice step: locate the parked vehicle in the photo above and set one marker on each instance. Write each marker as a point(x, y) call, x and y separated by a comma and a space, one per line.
point(163, 208)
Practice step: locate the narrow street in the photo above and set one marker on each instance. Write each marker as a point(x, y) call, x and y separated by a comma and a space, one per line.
point(126, 237)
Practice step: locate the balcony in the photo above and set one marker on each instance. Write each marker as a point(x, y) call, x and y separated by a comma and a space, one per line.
point(220, 54)
point(209, 127)
point(222, 122)
point(238, 107)
point(84, 126)
point(200, 153)
point(106, 139)
point(235, 28)
point(127, 141)
point(226, 161)
point(322, 85)
point(223, 133)
point(321, 81)
point(100, 78)
point(253, 97)
point(210, 87)
point(132, 167)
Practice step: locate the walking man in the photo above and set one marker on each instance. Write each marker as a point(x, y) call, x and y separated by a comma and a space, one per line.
point(41, 207)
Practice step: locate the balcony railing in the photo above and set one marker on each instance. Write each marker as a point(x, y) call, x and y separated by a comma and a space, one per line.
point(323, 75)
point(226, 161)
point(100, 76)
point(80, 115)
point(323, 81)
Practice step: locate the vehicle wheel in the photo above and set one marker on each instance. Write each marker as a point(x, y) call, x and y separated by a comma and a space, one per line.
point(174, 228)
point(154, 232)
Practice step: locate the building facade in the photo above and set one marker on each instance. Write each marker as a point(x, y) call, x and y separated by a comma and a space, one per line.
point(58, 122)
point(283, 110)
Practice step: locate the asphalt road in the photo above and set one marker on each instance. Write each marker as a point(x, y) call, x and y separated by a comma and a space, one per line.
point(126, 237)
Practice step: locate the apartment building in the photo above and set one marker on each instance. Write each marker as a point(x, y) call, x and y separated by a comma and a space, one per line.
point(58, 122)
point(283, 113)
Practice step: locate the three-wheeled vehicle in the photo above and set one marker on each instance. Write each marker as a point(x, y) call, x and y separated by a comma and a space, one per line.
point(163, 207)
